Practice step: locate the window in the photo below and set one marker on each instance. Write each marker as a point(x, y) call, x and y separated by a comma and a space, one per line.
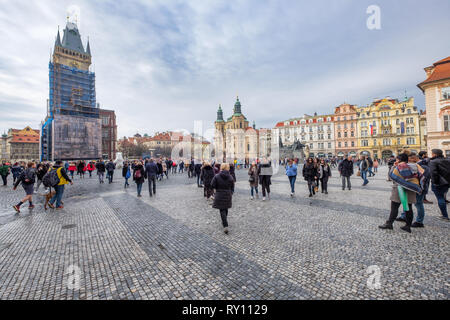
point(329, 145)
point(446, 93)
point(373, 115)
point(345, 134)
point(339, 144)
point(311, 145)
point(346, 144)
point(410, 141)
point(397, 121)
point(447, 123)
point(339, 134)
point(329, 136)
point(353, 143)
point(386, 142)
point(409, 111)
point(365, 143)
point(375, 142)
point(352, 133)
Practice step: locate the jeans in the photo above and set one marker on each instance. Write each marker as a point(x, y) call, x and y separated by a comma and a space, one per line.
point(58, 195)
point(126, 182)
point(224, 215)
point(101, 176)
point(5, 180)
point(292, 183)
point(152, 180)
point(420, 209)
point(253, 189)
point(198, 179)
point(364, 176)
point(110, 176)
point(370, 172)
point(349, 185)
point(139, 188)
point(439, 192)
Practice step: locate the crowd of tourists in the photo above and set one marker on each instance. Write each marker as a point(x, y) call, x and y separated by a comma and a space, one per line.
point(411, 176)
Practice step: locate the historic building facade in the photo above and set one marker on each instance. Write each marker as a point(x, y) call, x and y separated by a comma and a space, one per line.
point(234, 138)
point(72, 128)
point(437, 102)
point(387, 126)
point(345, 130)
point(316, 132)
point(109, 134)
point(22, 144)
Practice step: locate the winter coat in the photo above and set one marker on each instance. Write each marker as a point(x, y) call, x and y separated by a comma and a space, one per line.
point(125, 170)
point(110, 166)
point(309, 171)
point(90, 166)
point(207, 175)
point(4, 170)
point(440, 171)
point(27, 177)
point(346, 168)
point(41, 172)
point(140, 168)
point(291, 171)
point(232, 172)
point(101, 167)
point(253, 172)
point(223, 183)
point(16, 171)
point(160, 168)
point(151, 170)
point(324, 171)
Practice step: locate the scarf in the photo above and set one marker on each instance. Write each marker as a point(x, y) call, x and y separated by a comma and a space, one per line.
point(408, 175)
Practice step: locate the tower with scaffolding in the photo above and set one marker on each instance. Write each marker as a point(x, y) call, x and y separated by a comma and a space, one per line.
point(72, 127)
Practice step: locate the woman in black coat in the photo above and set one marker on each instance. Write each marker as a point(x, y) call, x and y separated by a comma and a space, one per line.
point(223, 183)
point(310, 174)
point(324, 175)
point(207, 174)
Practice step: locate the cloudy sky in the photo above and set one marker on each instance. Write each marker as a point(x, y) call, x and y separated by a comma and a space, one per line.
point(163, 64)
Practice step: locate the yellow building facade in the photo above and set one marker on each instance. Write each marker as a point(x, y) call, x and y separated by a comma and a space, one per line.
point(387, 126)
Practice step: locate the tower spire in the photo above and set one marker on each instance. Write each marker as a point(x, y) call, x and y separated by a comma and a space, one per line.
point(58, 39)
point(88, 48)
point(219, 114)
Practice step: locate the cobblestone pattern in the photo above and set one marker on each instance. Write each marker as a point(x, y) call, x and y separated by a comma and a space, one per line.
point(172, 247)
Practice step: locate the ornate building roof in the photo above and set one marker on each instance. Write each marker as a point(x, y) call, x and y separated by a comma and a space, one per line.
point(72, 39)
point(438, 71)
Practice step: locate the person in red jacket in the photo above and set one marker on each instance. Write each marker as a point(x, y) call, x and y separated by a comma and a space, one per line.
point(90, 168)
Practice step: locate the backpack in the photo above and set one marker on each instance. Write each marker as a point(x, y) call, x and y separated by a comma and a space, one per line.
point(137, 174)
point(51, 178)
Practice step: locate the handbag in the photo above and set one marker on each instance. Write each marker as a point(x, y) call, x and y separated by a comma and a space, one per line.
point(251, 179)
point(358, 173)
point(128, 174)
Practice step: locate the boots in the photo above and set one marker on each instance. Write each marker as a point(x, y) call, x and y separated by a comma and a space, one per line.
point(386, 225)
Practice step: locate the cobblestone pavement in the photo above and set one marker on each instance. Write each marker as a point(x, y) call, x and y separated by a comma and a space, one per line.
point(109, 244)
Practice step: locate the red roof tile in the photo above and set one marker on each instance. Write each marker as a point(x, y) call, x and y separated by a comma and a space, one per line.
point(440, 71)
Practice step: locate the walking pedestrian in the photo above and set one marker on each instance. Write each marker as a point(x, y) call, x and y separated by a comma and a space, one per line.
point(40, 173)
point(139, 177)
point(291, 172)
point(207, 174)
point(363, 169)
point(253, 180)
point(110, 167)
point(310, 175)
point(27, 178)
point(72, 169)
point(324, 175)
point(265, 173)
point(223, 184)
point(101, 168)
point(90, 168)
point(151, 171)
point(16, 170)
point(126, 173)
point(59, 188)
point(440, 179)
point(406, 175)
point(4, 172)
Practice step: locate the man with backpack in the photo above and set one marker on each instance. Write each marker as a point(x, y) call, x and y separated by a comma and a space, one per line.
point(151, 170)
point(110, 167)
point(370, 161)
point(27, 178)
point(440, 179)
point(100, 170)
point(57, 178)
